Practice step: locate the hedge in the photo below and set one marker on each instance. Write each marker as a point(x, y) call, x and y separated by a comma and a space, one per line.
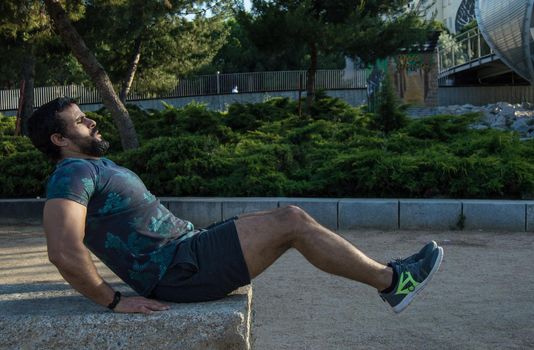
point(267, 149)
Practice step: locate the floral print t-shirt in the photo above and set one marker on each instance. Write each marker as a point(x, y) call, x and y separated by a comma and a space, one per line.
point(127, 228)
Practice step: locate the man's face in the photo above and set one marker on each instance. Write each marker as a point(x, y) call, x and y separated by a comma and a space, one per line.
point(82, 133)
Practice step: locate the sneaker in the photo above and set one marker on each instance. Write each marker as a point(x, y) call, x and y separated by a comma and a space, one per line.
point(425, 251)
point(412, 278)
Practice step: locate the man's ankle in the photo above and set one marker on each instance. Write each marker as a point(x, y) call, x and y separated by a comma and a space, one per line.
point(391, 280)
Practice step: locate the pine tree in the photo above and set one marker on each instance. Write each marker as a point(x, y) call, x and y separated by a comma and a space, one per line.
point(367, 29)
point(389, 116)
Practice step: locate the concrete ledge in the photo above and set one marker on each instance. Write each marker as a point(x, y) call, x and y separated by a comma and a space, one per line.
point(344, 214)
point(21, 211)
point(201, 212)
point(38, 310)
point(530, 217)
point(237, 206)
point(429, 214)
point(494, 215)
point(368, 213)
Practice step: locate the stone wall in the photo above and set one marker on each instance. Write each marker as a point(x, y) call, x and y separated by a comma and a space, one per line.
point(502, 116)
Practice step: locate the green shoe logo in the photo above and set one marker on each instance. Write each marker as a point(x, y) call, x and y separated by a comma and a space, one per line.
point(406, 283)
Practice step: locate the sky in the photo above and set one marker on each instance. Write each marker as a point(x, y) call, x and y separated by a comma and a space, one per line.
point(247, 5)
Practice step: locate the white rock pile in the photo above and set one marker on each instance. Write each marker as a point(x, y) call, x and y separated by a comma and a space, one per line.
point(501, 115)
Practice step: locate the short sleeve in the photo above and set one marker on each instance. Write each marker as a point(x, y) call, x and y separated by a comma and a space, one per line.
point(75, 180)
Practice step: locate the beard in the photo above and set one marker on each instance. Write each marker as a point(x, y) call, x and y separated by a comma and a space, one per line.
point(91, 146)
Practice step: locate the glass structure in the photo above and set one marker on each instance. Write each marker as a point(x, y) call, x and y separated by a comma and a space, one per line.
point(465, 14)
point(508, 29)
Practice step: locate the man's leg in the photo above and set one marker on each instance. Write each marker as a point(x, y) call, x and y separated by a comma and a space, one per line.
point(265, 236)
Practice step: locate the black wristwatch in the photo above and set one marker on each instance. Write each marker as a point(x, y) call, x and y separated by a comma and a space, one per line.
point(116, 299)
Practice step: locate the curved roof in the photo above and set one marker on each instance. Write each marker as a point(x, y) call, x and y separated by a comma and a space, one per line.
point(506, 26)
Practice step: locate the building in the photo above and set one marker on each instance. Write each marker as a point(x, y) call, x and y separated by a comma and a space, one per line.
point(455, 14)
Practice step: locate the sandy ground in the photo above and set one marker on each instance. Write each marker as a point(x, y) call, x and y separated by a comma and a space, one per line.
point(482, 298)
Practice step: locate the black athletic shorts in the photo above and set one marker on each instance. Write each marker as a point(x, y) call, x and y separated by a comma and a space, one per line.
point(207, 266)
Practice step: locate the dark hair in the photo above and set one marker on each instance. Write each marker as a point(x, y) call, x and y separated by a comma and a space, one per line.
point(44, 122)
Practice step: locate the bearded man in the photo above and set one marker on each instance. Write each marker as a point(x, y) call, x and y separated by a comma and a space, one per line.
point(95, 205)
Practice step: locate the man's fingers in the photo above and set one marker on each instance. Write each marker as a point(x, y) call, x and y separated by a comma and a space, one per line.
point(157, 306)
point(149, 306)
point(154, 307)
point(141, 305)
point(146, 310)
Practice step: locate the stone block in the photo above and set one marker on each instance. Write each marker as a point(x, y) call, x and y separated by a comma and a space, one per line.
point(429, 214)
point(38, 310)
point(165, 201)
point(494, 215)
point(21, 211)
point(368, 213)
point(237, 206)
point(201, 212)
point(62, 319)
point(530, 216)
point(322, 210)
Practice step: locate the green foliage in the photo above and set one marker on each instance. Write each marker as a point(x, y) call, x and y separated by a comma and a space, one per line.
point(333, 109)
point(172, 165)
point(469, 26)
point(171, 37)
point(265, 149)
point(389, 116)
point(454, 53)
point(441, 127)
point(25, 31)
point(7, 125)
point(23, 172)
point(250, 167)
point(250, 116)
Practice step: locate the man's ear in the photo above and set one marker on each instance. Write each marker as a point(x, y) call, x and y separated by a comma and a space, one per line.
point(58, 140)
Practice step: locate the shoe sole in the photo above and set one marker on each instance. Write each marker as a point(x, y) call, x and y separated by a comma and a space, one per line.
point(409, 298)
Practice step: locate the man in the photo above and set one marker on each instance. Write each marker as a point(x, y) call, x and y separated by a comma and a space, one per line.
point(93, 203)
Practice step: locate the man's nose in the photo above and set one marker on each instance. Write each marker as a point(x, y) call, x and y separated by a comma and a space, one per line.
point(90, 122)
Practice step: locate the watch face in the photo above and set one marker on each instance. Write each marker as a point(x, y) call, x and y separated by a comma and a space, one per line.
point(465, 14)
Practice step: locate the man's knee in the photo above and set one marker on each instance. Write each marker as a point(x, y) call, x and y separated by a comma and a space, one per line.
point(295, 216)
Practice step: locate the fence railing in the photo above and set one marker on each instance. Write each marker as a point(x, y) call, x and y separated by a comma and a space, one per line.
point(469, 46)
point(204, 85)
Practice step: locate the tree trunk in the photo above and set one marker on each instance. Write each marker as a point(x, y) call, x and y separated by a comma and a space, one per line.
point(128, 80)
point(28, 74)
point(310, 81)
point(94, 69)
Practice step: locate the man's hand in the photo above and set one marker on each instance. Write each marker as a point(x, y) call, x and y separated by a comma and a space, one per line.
point(139, 305)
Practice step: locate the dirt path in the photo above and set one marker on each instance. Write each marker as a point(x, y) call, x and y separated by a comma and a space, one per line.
point(482, 298)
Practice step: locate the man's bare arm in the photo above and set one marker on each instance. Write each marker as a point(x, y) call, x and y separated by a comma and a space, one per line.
point(64, 225)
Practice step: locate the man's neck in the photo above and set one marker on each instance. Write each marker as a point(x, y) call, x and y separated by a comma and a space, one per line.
point(77, 155)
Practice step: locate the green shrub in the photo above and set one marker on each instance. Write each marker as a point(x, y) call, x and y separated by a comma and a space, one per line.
point(24, 174)
point(163, 163)
point(250, 116)
point(441, 127)
point(266, 149)
point(10, 145)
point(389, 116)
point(251, 167)
point(7, 125)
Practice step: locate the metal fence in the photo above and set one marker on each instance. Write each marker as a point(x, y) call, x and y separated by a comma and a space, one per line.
point(205, 85)
point(469, 46)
